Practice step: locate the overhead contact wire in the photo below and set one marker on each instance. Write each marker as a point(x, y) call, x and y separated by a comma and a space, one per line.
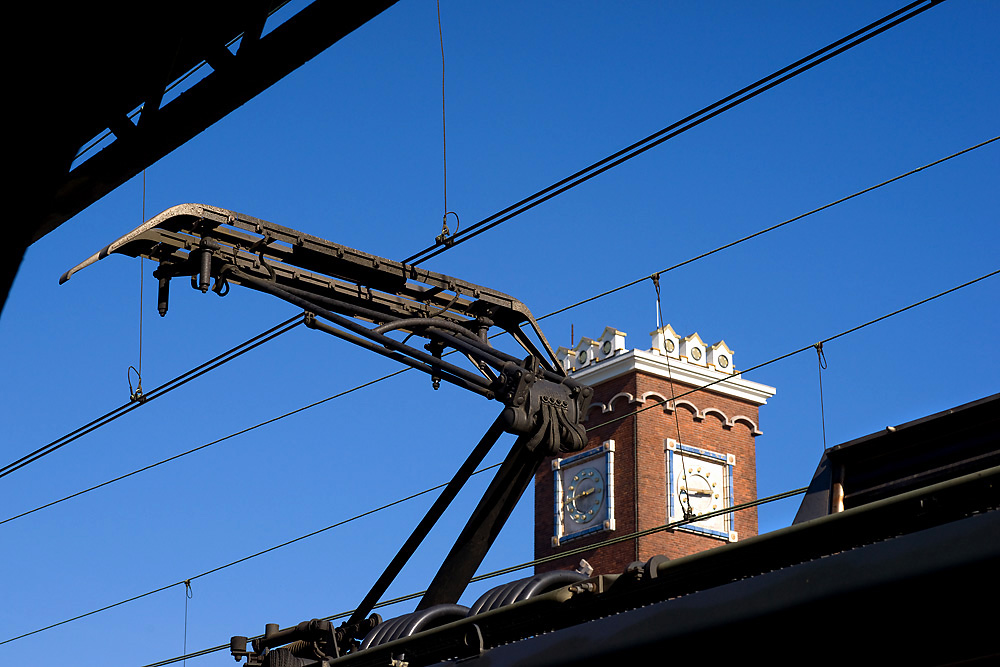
point(186, 582)
point(693, 120)
point(542, 317)
point(610, 421)
point(204, 446)
point(766, 230)
point(178, 381)
point(521, 566)
point(811, 346)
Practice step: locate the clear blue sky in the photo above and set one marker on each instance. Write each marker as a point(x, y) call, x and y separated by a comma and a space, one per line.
point(349, 148)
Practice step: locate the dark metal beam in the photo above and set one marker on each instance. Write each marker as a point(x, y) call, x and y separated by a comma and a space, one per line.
point(280, 52)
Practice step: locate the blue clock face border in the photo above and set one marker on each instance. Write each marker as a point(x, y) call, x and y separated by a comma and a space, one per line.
point(584, 493)
point(699, 464)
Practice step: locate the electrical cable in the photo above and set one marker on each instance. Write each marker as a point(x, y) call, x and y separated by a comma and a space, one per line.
point(538, 561)
point(186, 582)
point(610, 421)
point(204, 446)
point(542, 317)
point(821, 366)
point(768, 229)
point(811, 346)
point(749, 92)
point(642, 533)
point(687, 511)
point(165, 388)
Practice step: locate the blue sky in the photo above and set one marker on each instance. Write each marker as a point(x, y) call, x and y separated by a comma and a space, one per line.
point(349, 148)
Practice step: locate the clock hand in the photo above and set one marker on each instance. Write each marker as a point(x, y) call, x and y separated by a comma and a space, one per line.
point(581, 495)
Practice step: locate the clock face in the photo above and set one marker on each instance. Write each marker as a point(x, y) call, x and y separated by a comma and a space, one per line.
point(584, 495)
point(697, 492)
point(700, 490)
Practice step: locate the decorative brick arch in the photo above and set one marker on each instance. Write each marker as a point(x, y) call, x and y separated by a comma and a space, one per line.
point(742, 419)
point(695, 412)
point(720, 414)
point(596, 405)
point(629, 399)
point(652, 395)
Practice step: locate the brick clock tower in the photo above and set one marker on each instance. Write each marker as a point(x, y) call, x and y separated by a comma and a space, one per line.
point(644, 468)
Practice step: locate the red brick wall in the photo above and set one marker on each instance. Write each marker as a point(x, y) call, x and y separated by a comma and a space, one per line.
point(640, 484)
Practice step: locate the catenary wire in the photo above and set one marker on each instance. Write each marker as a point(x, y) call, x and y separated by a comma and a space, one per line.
point(768, 229)
point(541, 317)
point(204, 446)
point(749, 92)
point(200, 653)
point(770, 78)
point(241, 560)
point(166, 387)
point(608, 422)
point(810, 346)
point(538, 561)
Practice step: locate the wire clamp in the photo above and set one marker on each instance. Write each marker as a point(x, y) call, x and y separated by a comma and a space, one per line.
point(820, 354)
point(446, 237)
point(136, 395)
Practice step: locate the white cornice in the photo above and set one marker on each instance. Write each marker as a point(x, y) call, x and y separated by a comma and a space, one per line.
point(679, 371)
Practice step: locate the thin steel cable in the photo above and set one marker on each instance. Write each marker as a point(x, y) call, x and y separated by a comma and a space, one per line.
point(142, 274)
point(165, 388)
point(803, 349)
point(444, 125)
point(243, 559)
point(643, 533)
point(566, 308)
point(204, 446)
point(521, 566)
point(687, 511)
point(749, 92)
point(821, 365)
point(188, 594)
point(767, 229)
point(610, 421)
point(444, 236)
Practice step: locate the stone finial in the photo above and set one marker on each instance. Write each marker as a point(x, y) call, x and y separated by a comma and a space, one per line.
point(609, 344)
point(665, 341)
point(584, 353)
point(693, 348)
point(720, 356)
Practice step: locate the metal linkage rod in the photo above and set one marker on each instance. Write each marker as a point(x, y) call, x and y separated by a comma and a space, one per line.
point(370, 339)
point(465, 380)
point(484, 525)
point(430, 519)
